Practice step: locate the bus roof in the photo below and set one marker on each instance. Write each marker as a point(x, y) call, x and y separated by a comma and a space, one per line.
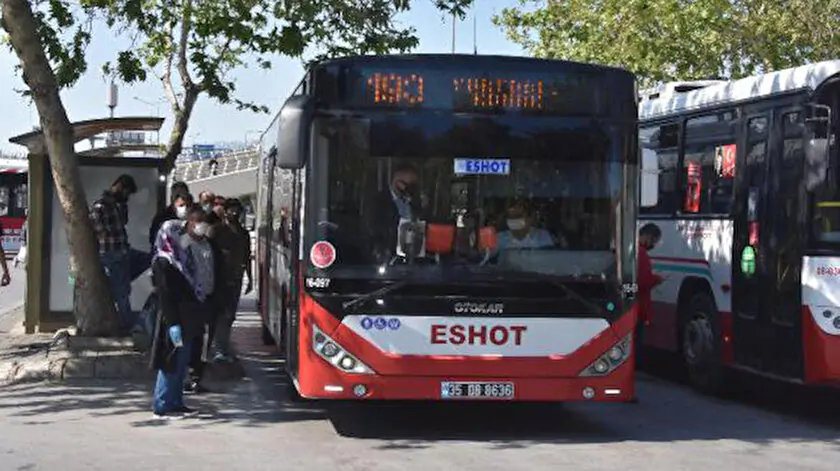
point(807, 77)
point(460, 59)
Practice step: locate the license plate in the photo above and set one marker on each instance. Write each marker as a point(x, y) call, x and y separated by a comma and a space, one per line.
point(476, 390)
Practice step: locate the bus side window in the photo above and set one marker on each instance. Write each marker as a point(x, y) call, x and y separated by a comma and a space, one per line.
point(663, 140)
point(709, 163)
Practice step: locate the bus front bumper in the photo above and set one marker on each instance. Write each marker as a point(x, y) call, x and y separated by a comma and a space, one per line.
point(618, 386)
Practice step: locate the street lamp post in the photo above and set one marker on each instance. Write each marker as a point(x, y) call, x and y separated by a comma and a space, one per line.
point(247, 133)
point(156, 104)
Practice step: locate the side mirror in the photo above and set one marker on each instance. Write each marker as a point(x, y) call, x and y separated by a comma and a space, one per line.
point(292, 135)
point(649, 178)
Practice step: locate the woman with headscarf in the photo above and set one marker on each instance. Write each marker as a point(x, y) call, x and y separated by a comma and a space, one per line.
point(184, 270)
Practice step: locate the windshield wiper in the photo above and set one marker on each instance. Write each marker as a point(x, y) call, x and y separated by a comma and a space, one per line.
point(379, 292)
point(596, 309)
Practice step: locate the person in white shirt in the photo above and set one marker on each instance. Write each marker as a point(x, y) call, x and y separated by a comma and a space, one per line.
point(521, 233)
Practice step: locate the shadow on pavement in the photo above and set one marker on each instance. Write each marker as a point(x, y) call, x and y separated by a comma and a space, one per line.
point(818, 405)
point(668, 412)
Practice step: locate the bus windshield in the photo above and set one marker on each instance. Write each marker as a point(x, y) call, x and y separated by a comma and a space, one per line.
point(549, 210)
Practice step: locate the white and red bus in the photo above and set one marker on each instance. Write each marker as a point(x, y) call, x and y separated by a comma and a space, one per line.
point(14, 199)
point(743, 177)
point(441, 302)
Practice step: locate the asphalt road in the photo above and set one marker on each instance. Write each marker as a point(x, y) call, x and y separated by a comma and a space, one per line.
point(247, 425)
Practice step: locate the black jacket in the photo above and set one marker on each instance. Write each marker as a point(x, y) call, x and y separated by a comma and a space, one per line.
point(178, 305)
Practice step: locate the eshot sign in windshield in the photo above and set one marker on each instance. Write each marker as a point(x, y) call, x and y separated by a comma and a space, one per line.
point(482, 166)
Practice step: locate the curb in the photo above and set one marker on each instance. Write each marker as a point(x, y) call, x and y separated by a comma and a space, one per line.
point(72, 358)
point(68, 365)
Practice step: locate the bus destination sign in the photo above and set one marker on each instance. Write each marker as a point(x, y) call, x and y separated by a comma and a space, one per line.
point(557, 94)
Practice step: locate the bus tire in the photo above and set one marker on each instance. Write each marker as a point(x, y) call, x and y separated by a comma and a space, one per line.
point(701, 346)
point(267, 338)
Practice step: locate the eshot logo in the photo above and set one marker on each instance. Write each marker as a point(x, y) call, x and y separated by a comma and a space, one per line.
point(380, 323)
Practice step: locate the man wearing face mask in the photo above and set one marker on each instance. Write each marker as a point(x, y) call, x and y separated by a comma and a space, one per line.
point(207, 200)
point(399, 200)
point(234, 244)
point(109, 215)
point(521, 233)
point(177, 209)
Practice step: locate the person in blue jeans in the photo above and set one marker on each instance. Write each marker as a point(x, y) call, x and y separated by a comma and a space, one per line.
point(184, 275)
point(109, 215)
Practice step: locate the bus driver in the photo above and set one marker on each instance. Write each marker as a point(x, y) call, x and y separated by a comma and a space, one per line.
point(521, 233)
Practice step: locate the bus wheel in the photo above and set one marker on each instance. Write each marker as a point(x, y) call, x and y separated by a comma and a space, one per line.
point(267, 338)
point(701, 348)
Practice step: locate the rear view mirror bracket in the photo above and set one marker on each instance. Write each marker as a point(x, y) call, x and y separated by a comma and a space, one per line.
point(817, 146)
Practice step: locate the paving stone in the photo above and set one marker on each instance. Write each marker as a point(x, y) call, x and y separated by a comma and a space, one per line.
point(78, 368)
point(121, 365)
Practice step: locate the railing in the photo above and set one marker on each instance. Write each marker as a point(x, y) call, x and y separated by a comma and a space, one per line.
point(237, 161)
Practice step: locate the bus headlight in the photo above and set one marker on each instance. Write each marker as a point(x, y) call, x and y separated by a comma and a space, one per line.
point(333, 353)
point(601, 367)
point(330, 350)
point(612, 359)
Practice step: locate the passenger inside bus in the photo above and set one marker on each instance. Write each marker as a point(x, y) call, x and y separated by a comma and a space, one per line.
point(559, 215)
point(520, 232)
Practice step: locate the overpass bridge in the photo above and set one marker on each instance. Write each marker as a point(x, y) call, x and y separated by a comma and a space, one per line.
point(233, 175)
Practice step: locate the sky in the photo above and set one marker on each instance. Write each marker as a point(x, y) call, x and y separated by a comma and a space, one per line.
point(215, 123)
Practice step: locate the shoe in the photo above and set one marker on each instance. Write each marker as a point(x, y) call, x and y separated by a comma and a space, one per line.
point(186, 411)
point(193, 387)
point(169, 415)
point(222, 358)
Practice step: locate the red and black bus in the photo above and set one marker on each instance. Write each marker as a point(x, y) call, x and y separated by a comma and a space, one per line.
point(14, 200)
point(742, 179)
point(452, 227)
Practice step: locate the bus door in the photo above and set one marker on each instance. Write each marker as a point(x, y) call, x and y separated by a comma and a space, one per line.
point(264, 225)
point(766, 245)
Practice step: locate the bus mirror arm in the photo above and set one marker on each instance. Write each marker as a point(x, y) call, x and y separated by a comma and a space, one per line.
point(293, 132)
point(817, 146)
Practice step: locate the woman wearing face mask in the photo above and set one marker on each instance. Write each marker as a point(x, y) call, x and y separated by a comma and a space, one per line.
point(185, 266)
point(520, 233)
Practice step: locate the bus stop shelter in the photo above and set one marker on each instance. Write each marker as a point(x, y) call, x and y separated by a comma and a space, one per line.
point(49, 292)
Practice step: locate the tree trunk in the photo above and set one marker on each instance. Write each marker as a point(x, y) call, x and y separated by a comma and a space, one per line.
point(179, 129)
point(94, 307)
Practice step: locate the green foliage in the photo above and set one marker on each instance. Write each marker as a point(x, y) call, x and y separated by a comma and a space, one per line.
point(221, 35)
point(64, 36)
point(207, 39)
point(664, 40)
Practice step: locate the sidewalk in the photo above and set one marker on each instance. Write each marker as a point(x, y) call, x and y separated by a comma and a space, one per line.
point(63, 356)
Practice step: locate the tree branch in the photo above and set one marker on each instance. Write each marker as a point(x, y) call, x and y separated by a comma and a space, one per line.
point(167, 82)
point(183, 43)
